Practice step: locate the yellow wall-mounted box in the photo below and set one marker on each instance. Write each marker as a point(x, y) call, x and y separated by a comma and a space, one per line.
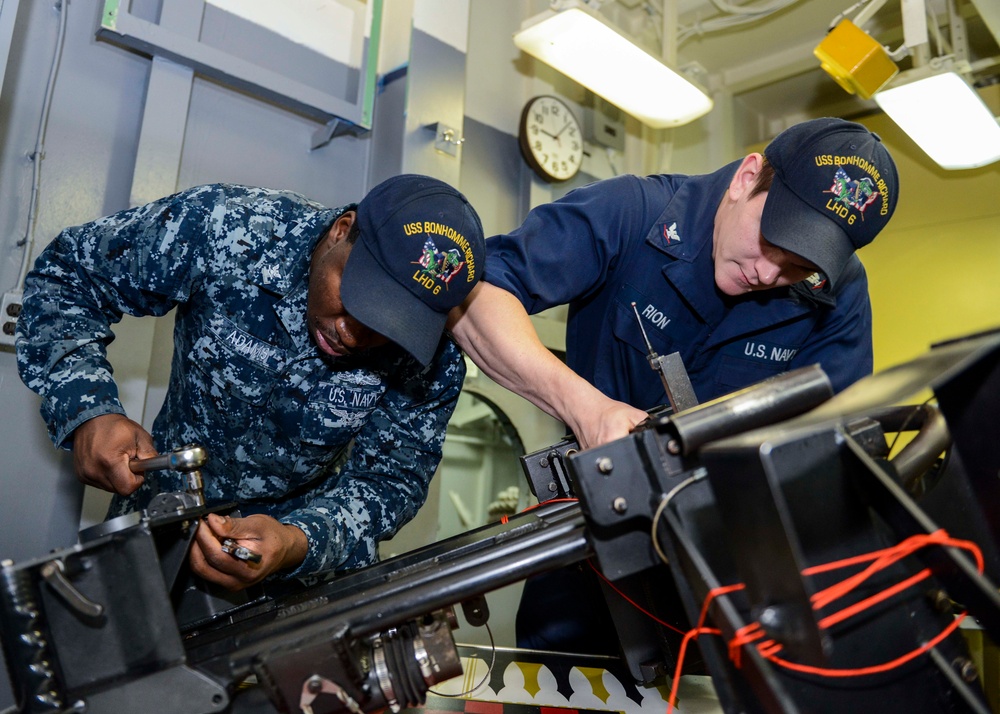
point(855, 60)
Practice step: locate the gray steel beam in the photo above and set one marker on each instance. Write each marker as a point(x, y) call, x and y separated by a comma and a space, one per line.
point(120, 27)
point(161, 141)
point(8, 13)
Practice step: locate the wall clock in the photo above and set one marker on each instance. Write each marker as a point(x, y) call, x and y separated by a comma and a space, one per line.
point(550, 138)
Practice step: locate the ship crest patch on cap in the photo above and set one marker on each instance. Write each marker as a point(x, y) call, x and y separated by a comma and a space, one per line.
point(850, 193)
point(438, 267)
point(437, 264)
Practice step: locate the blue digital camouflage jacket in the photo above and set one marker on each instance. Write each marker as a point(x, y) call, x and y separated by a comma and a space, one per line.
point(342, 448)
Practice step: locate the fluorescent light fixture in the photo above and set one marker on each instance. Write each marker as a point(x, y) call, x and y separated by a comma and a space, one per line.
point(945, 116)
point(588, 50)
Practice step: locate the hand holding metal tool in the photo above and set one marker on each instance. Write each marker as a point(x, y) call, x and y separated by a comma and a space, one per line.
point(189, 460)
point(238, 551)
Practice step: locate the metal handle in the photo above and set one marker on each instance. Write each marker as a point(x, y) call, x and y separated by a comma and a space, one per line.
point(54, 575)
point(768, 402)
point(187, 458)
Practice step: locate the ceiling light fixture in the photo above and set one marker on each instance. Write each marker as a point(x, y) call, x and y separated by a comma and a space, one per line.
point(945, 116)
point(932, 102)
point(587, 49)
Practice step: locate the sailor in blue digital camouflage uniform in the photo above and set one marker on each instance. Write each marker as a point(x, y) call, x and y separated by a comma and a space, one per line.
point(747, 272)
point(310, 360)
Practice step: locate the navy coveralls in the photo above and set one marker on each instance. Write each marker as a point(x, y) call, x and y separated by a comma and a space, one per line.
point(648, 241)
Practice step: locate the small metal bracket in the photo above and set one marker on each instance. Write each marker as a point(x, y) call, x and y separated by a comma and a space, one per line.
point(674, 376)
point(476, 610)
point(330, 131)
point(446, 138)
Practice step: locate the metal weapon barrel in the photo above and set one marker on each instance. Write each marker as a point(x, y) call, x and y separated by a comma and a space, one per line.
point(768, 402)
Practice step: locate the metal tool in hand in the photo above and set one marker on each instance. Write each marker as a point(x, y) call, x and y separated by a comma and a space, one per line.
point(188, 460)
point(239, 551)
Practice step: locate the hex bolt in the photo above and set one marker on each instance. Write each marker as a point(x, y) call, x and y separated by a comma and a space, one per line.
point(604, 465)
point(966, 669)
point(619, 505)
point(673, 447)
point(552, 487)
point(940, 600)
point(544, 462)
point(770, 617)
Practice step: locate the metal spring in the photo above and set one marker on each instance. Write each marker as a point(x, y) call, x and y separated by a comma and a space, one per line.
point(25, 644)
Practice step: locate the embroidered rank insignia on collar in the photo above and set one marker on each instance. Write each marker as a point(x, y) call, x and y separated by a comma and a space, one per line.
point(816, 281)
point(670, 233)
point(270, 273)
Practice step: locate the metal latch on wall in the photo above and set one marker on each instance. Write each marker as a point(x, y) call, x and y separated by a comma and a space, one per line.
point(446, 138)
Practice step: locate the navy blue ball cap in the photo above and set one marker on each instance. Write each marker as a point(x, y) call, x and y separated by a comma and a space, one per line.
point(835, 187)
point(420, 252)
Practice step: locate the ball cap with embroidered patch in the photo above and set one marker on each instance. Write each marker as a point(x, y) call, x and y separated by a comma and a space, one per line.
point(835, 187)
point(419, 253)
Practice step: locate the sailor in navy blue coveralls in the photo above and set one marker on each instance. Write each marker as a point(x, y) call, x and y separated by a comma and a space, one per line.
point(649, 241)
point(747, 272)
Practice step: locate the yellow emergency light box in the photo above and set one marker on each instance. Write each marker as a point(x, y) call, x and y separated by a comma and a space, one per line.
point(855, 60)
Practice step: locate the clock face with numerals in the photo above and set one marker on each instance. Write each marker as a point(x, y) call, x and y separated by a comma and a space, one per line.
point(550, 138)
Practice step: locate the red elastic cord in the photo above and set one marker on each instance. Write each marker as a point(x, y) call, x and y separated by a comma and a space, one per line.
point(754, 633)
point(700, 629)
point(874, 669)
point(882, 559)
point(632, 602)
point(692, 634)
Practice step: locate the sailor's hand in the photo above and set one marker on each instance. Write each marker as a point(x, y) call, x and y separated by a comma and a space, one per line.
point(102, 449)
point(280, 547)
point(605, 421)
